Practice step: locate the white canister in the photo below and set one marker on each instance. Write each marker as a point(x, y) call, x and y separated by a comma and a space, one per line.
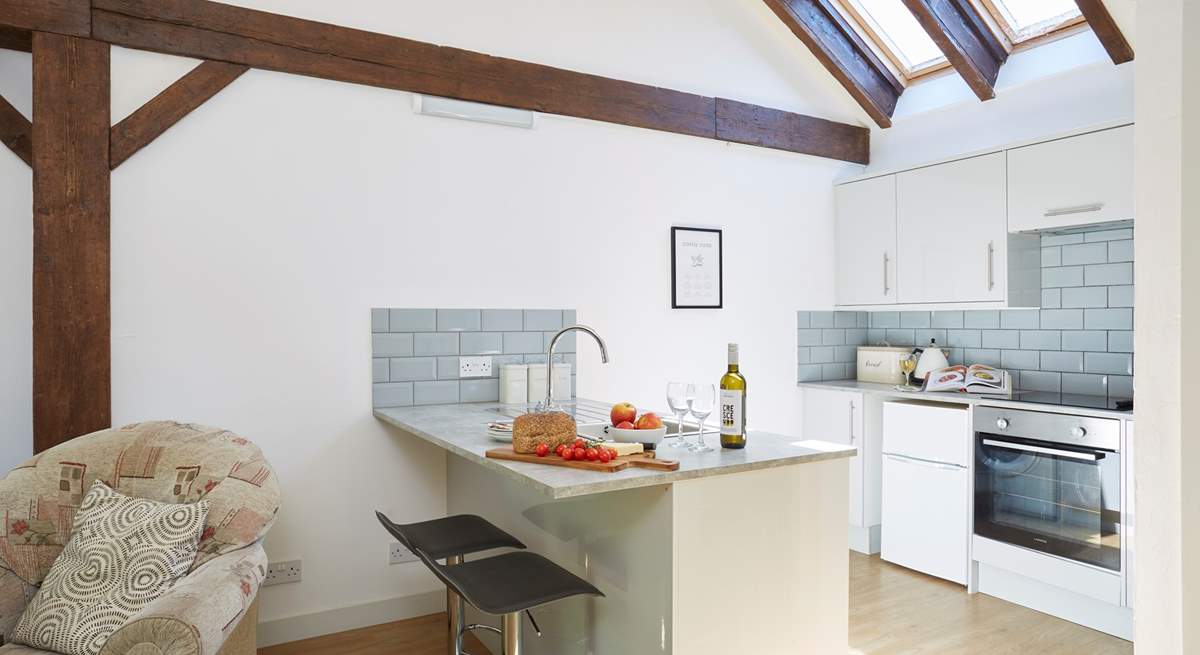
point(537, 382)
point(514, 383)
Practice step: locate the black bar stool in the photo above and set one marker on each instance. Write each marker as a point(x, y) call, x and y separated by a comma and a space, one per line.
point(451, 539)
point(509, 584)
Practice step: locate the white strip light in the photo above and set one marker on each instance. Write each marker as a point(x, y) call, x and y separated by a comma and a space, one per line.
point(472, 111)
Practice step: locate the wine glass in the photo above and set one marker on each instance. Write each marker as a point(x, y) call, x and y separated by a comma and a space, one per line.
point(702, 398)
point(908, 364)
point(677, 399)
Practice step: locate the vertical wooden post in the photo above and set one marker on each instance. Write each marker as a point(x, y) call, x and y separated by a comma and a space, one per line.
point(72, 386)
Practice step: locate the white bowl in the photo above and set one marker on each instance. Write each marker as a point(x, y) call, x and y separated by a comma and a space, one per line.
point(635, 436)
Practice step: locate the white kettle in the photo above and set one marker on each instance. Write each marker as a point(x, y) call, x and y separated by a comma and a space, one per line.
point(932, 359)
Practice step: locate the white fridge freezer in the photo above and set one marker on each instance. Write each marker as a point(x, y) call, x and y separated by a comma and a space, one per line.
point(927, 487)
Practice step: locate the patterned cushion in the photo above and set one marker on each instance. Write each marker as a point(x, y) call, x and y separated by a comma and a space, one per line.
point(124, 553)
point(161, 460)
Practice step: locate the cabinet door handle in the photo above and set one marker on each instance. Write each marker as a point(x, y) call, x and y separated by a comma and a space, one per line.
point(1078, 209)
point(886, 288)
point(991, 266)
point(851, 422)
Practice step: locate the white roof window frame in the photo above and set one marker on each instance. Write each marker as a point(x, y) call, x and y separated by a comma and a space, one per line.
point(1032, 35)
point(885, 48)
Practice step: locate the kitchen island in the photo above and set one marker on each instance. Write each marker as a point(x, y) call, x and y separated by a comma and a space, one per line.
point(736, 551)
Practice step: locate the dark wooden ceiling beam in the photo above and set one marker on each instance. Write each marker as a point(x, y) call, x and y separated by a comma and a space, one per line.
point(964, 37)
point(72, 379)
point(741, 122)
point(183, 97)
point(844, 53)
point(219, 32)
point(16, 131)
point(71, 17)
point(1106, 30)
point(12, 38)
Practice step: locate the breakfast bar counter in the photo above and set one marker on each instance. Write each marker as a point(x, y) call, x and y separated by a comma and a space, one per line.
point(460, 430)
point(736, 551)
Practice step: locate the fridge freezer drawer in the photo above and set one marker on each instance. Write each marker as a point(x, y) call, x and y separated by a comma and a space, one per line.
point(925, 517)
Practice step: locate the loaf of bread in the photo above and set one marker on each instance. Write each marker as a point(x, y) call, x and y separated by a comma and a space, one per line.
point(550, 428)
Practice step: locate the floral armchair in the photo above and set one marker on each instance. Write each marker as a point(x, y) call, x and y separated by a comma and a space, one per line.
point(212, 609)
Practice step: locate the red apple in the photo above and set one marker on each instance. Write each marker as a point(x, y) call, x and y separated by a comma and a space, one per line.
point(622, 412)
point(626, 425)
point(649, 421)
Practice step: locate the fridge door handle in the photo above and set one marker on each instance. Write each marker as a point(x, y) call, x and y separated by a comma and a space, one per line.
point(923, 462)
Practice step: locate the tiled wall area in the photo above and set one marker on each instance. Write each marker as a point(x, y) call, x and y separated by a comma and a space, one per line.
point(1080, 341)
point(415, 351)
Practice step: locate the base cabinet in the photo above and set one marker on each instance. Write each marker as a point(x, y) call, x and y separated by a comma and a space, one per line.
point(855, 419)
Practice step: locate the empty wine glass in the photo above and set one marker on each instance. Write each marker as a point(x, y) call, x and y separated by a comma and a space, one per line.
point(677, 399)
point(702, 398)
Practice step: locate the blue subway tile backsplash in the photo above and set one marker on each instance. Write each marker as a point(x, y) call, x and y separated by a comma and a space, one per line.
point(1080, 341)
point(415, 352)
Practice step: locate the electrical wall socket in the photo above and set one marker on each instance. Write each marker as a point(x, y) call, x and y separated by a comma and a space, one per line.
point(398, 554)
point(474, 367)
point(282, 573)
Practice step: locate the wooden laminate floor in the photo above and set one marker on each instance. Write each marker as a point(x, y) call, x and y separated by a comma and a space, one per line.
point(893, 611)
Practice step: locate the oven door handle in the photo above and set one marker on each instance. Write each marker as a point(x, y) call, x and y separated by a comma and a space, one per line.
point(1087, 457)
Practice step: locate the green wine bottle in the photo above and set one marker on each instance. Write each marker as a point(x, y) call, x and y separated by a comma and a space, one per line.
point(733, 404)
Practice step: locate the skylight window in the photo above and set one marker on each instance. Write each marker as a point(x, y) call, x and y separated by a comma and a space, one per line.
point(896, 35)
point(1023, 20)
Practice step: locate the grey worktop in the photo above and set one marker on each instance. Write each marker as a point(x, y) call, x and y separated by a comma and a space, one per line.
point(890, 391)
point(461, 430)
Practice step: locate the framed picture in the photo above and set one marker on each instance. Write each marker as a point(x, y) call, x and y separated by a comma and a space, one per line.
point(696, 268)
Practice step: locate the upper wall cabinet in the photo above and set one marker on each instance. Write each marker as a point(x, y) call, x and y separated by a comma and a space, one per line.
point(1078, 180)
point(952, 232)
point(866, 242)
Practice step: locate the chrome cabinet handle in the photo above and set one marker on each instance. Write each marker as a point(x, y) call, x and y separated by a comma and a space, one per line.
point(1079, 209)
point(991, 266)
point(851, 422)
point(1087, 457)
point(886, 288)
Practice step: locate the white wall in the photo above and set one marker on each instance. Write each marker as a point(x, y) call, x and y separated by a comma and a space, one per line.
point(16, 277)
point(250, 241)
point(1037, 107)
point(1167, 160)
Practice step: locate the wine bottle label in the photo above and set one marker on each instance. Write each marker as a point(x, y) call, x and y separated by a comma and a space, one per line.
point(733, 412)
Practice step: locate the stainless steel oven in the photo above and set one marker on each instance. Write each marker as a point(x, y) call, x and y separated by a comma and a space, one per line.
point(1049, 482)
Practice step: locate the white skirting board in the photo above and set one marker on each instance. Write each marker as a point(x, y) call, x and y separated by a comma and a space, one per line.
point(864, 539)
point(1056, 601)
point(306, 626)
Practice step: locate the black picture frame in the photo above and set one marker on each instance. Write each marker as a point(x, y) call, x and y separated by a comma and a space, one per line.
point(676, 232)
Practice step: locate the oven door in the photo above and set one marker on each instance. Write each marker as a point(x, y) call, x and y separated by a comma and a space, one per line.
point(1061, 500)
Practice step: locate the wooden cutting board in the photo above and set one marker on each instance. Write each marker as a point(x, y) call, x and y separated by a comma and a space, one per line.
point(644, 460)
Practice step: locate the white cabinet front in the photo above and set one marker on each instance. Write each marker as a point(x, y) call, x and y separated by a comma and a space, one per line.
point(952, 236)
point(1074, 181)
point(837, 416)
point(925, 507)
point(866, 242)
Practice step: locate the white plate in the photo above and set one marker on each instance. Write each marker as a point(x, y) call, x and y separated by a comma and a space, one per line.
point(503, 438)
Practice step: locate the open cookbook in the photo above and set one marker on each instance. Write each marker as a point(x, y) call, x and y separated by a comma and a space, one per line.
point(976, 378)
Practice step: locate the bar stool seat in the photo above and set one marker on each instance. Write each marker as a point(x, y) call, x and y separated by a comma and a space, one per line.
point(513, 582)
point(453, 536)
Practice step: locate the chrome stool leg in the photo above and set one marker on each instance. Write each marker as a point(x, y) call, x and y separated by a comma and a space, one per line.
point(454, 613)
point(510, 634)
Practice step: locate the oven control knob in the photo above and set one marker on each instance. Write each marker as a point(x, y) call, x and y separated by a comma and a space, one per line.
point(1002, 423)
point(1079, 432)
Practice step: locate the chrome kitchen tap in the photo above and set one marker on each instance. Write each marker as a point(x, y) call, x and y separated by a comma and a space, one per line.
point(548, 404)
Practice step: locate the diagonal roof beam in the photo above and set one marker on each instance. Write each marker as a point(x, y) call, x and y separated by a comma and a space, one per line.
point(169, 107)
point(1106, 30)
point(844, 53)
point(965, 38)
point(16, 131)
